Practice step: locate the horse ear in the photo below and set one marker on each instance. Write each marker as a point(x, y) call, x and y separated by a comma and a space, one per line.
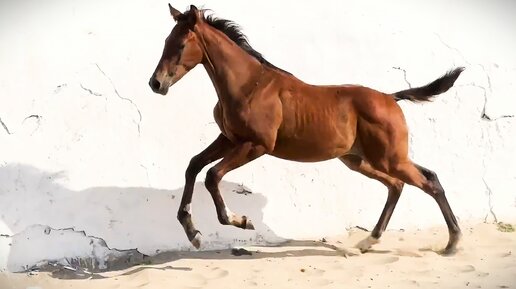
point(193, 14)
point(174, 12)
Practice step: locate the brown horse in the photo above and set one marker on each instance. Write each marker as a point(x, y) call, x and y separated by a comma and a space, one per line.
point(265, 110)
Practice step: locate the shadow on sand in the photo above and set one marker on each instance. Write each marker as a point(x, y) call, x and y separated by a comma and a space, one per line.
point(134, 227)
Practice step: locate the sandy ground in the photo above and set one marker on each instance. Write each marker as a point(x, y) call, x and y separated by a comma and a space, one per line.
point(404, 259)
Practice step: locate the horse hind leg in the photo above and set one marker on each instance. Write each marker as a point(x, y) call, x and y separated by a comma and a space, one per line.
point(428, 181)
point(384, 139)
point(394, 186)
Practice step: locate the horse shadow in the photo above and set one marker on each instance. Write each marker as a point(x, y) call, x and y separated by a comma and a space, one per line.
point(136, 227)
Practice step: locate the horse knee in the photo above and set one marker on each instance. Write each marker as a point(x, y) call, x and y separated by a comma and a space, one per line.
point(438, 190)
point(194, 167)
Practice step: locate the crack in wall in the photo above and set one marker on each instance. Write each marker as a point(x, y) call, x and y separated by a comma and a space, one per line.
point(5, 126)
point(484, 115)
point(489, 148)
point(90, 91)
point(404, 75)
point(489, 201)
point(242, 190)
point(38, 121)
point(59, 88)
point(487, 77)
point(147, 174)
point(487, 92)
point(123, 98)
point(453, 49)
point(36, 116)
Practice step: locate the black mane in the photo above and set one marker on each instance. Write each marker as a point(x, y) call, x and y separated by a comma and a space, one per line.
point(234, 32)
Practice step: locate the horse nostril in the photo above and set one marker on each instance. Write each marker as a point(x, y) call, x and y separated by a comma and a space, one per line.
point(154, 84)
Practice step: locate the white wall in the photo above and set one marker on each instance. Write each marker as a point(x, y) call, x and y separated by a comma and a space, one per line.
point(104, 155)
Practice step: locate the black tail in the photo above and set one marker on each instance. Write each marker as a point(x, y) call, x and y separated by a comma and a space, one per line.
point(425, 93)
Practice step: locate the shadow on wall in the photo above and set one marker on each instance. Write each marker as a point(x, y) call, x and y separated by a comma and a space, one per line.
point(41, 220)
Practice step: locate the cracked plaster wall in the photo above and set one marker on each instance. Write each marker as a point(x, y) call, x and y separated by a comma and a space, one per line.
point(86, 145)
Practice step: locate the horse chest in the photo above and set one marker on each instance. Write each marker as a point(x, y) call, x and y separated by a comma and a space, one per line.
point(233, 124)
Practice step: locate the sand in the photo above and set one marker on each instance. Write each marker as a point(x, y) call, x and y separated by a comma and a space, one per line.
point(403, 259)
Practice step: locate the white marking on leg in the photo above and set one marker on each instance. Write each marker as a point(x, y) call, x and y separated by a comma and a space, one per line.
point(188, 209)
point(230, 215)
point(366, 244)
point(196, 241)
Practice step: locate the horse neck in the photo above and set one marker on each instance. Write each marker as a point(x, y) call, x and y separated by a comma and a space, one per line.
point(233, 72)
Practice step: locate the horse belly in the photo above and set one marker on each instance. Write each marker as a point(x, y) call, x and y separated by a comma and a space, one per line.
point(315, 146)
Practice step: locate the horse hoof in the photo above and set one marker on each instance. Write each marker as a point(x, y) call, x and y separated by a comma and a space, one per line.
point(366, 244)
point(196, 240)
point(448, 252)
point(249, 225)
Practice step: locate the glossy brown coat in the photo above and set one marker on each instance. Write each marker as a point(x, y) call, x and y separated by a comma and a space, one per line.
point(265, 110)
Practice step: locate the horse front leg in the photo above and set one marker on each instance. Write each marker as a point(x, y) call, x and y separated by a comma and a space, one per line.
point(216, 150)
point(240, 155)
